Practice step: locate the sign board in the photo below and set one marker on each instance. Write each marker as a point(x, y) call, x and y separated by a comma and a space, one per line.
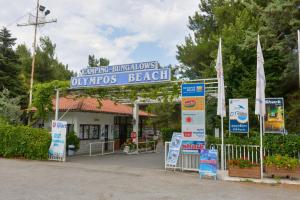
point(117, 75)
point(57, 149)
point(238, 116)
point(208, 163)
point(274, 120)
point(193, 117)
point(174, 149)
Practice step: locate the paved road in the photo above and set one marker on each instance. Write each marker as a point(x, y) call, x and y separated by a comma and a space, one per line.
point(34, 180)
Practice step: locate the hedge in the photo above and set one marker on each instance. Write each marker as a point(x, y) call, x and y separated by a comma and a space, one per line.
point(166, 133)
point(24, 142)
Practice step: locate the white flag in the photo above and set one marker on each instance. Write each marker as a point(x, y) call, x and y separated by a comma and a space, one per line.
point(221, 110)
point(260, 107)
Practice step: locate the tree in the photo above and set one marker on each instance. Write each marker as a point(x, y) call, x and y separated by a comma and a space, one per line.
point(9, 70)
point(10, 109)
point(94, 62)
point(238, 23)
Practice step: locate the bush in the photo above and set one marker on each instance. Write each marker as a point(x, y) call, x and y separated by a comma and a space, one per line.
point(281, 162)
point(72, 139)
point(24, 142)
point(167, 133)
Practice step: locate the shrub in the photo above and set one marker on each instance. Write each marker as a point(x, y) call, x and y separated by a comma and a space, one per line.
point(24, 142)
point(167, 133)
point(242, 163)
point(281, 162)
point(72, 139)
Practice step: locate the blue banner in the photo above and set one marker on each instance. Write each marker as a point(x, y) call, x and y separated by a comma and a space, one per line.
point(208, 162)
point(124, 78)
point(238, 116)
point(192, 90)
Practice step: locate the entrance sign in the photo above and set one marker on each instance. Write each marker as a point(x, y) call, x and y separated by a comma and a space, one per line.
point(174, 149)
point(238, 116)
point(208, 163)
point(193, 117)
point(117, 75)
point(274, 121)
point(57, 149)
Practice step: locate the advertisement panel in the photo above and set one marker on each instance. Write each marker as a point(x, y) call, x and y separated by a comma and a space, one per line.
point(238, 116)
point(274, 120)
point(193, 117)
point(208, 163)
point(174, 149)
point(57, 148)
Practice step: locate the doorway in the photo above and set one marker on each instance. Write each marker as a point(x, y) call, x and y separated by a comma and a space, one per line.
point(106, 137)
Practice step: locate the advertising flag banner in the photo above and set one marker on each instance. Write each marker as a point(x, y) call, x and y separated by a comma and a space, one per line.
point(58, 144)
point(174, 149)
point(193, 117)
point(274, 120)
point(238, 116)
point(208, 163)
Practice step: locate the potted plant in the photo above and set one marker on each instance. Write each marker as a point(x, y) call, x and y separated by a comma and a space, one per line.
point(243, 168)
point(282, 166)
point(128, 147)
point(73, 143)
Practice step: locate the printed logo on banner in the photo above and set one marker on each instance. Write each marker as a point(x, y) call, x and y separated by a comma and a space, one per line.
point(193, 103)
point(238, 116)
point(192, 90)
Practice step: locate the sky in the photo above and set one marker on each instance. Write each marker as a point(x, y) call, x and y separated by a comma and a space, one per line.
point(124, 31)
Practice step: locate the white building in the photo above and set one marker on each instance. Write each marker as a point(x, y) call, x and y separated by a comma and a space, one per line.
point(94, 122)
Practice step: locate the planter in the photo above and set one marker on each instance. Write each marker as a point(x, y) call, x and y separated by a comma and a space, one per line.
point(281, 172)
point(248, 172)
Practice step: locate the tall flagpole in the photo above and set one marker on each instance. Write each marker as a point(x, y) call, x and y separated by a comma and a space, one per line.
point(261, 118)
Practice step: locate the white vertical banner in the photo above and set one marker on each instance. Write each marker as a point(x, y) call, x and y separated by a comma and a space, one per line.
point(57, 150)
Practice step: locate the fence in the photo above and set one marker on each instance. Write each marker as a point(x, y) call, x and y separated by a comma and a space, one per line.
point(102, 148)
point(147, 147)
point(190, 162)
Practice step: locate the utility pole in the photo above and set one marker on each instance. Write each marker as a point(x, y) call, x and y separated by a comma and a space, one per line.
point(36, 23)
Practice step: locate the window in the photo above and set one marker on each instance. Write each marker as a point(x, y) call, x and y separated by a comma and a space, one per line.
point(89, 132)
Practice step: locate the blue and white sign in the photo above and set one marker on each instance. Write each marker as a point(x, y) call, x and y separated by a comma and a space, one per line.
point(238, 116)
point(126, 77)
point(58, 144)
point(174, 149)
point(208, 163)
point(192, 90)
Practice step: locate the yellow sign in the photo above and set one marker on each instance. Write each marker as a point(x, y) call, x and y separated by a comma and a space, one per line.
point(193, 103)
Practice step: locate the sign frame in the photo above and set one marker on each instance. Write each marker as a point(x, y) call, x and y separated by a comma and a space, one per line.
point(265, 120)
point(229, 121)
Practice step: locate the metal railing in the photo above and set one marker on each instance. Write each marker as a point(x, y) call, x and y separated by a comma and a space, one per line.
point(190, 162)
point(98, 148)
point(150, 146)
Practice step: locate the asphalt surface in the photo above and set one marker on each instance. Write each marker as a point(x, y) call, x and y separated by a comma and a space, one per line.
point(122, 177)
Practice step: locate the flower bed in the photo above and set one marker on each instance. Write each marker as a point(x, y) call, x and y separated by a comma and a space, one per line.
point(282, 166)
point(243, 168)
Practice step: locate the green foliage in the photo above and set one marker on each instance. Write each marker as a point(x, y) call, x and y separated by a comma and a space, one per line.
point(43, 94)
point(72, 139)
point(24, 142)
point(94, 62)
point(242, 163)
point(166, 133)
point(281, 162)
point(282, 144)
point(10, 109)
point(132, 146)
point(9, 70)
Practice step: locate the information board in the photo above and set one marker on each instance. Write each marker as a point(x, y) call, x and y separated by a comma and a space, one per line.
point(238, 116)
point(193, 117)
point(174, 149)
point(208, 163)
point(274, 120)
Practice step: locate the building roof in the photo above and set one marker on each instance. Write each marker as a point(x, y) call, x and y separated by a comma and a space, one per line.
point(89, 104)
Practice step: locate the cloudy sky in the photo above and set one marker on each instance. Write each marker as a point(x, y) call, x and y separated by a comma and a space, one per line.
point(123, 31)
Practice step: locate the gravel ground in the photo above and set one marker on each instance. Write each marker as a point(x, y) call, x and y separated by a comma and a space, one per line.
point(121, 177)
